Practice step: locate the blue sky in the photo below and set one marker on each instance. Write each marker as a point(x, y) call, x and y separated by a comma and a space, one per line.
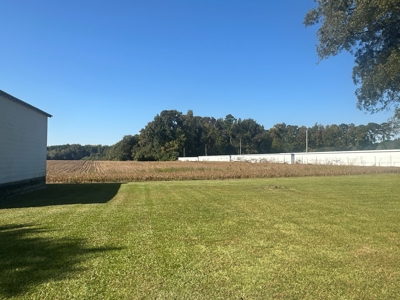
point(104, 69)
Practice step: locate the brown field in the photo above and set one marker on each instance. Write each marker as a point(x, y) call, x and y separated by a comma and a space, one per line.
point(79, 171)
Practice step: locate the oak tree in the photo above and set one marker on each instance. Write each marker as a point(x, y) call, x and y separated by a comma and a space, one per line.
point(370, 31)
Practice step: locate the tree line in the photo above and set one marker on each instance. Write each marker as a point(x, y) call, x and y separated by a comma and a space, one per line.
point(173, 134)
point(77, 152)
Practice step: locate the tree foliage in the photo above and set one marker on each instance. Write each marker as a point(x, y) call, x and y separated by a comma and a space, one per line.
point(123, 149)
point(77, 152)
point(172, 134)
point(370, 31)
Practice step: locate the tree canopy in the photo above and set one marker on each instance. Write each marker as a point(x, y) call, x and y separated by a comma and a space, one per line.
point(173, 134)
point(370, 31)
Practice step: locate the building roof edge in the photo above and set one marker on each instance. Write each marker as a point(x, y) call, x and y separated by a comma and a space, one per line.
point(12, 98)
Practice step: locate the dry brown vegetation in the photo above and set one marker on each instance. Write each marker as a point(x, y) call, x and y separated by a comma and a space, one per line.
point(79, 171)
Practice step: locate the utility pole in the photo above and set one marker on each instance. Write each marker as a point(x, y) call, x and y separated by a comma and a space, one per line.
point(205, 149)
point(240, 146)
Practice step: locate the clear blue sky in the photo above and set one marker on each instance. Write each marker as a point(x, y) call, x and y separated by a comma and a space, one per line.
point(104, 69)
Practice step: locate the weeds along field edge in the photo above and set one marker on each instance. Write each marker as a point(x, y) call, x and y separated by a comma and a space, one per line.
point(78, 171)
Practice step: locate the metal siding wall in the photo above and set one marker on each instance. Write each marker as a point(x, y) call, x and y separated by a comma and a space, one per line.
point(23, 142)
point(188, 158)
point(274, 158)
point(225, 158)
point(383, 158)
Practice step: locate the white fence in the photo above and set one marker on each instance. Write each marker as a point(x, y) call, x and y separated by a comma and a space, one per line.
point(383, 158)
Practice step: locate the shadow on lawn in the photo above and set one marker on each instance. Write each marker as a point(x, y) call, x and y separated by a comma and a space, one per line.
point(63, 194)
point(28, 259)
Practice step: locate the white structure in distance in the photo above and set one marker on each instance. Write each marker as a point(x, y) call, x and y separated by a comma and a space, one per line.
point(380, 158)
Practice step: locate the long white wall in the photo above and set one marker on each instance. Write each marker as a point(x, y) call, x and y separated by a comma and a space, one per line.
point(383, 158)
point(23, 142)
point(380, 158)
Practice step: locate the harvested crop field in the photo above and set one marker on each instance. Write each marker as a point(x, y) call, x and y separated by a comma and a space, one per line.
point(80, 171)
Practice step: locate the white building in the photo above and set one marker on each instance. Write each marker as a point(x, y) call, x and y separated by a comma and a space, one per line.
point(379, 158)
point(23, 146)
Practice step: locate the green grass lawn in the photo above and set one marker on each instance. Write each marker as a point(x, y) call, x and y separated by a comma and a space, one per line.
point(288, 238)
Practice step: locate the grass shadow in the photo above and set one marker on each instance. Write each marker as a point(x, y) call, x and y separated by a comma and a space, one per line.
point(64, 194)
point(28, 258)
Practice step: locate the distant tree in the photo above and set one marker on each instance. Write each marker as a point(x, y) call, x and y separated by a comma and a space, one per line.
point(300, 140)
point(229, 130)
point(250, 134)
point(77, 152)
point(213, 141)
point(395, 144)
point(162, 139)
point(172, 134)
point(122, 150)
point(192, 130)
point(277, 134)
point(394, 122)
point(370, 31)
point(315, 138)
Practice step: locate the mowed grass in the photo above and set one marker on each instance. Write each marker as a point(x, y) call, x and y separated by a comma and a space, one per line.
point(286, 238)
